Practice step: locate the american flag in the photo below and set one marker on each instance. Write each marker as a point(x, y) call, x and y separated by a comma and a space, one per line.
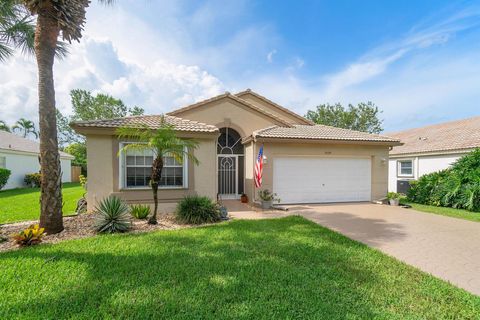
point(259, 168)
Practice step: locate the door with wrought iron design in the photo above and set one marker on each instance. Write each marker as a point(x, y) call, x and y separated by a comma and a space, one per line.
point(227, 176)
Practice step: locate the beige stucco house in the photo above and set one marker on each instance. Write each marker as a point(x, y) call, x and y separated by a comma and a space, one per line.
point(303, 162)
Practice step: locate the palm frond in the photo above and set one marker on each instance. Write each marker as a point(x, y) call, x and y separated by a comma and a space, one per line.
point(134, 147)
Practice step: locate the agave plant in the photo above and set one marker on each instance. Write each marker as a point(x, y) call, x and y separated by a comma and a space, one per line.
point(112, 215)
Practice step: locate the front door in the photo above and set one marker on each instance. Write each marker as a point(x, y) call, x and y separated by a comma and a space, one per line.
point(227, 176)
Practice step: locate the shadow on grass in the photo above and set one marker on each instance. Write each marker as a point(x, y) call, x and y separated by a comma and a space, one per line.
point(283, 268)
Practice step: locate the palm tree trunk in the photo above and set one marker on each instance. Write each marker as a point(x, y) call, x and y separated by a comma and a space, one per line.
point(157, 167)
point(46, 35)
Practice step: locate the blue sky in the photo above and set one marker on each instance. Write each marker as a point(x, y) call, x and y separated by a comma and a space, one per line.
point(419, 61)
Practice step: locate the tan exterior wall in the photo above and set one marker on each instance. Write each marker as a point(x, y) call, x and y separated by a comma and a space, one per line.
point(100, 170)
point(104, 166)
point(379, 167)
point(272, 109)
point(249, 163)
point(229, 113)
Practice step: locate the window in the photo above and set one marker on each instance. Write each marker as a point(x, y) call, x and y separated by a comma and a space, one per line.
point(138, 169)
point(3, 162)
point(405, 168)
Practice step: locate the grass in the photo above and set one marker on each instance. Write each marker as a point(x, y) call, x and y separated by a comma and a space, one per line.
point(24, 204)
point(286, 268)
point(444, 211)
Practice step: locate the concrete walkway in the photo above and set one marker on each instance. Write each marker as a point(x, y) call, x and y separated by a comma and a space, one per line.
point(448, 248)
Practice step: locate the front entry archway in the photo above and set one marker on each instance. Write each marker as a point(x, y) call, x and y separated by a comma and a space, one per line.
point(230, 164)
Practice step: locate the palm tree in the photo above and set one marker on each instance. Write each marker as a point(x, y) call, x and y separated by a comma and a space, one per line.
point(53, 17)
point(26, 127)
point(163, 142)
point(4, 126)
point(17, 31)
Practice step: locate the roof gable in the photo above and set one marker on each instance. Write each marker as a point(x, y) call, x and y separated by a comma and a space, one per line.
point(448, 136)
point(228, 96)
point(267, 104)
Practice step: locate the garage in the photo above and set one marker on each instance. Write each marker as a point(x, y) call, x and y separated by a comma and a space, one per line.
point(322, 179)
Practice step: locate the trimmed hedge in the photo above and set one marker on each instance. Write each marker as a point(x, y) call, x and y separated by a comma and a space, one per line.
point(457, 187)
point(33, 179)
point(4, 176)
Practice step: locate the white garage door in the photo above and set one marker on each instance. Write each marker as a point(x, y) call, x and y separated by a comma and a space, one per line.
point(317, 180)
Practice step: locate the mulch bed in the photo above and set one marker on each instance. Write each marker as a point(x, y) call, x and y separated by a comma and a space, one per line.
point(81, 226)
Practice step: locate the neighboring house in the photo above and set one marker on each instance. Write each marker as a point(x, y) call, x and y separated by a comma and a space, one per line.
point(429, 149)
point(20, 156)
point(304, 163)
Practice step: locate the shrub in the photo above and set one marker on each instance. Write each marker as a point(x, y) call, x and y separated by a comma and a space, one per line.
point(196, 210)
point(33, 179)
point(4, 176)
point(140, 211)
point(112, 216)
point(30, 236)
point(266, 195)
point(457, 187)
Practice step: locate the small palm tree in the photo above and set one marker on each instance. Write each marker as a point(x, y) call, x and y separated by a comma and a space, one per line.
point(163, 142)
point(4, 126)
point(25, 127)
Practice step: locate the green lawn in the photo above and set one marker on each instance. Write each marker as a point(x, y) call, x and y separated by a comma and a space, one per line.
point(24, 204)
point(451, 212)
point(271, 269)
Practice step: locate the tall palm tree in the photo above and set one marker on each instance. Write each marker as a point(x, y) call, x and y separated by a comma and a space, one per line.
point(53, 18)
point(26, 127)
point(163, 142)
point(4, 126)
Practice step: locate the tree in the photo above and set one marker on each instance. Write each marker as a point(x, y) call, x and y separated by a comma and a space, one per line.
point(79, 151)
point(25, 127)
point(101, 106)
point(53, 17)
point(17, 31)
point(4, 126)
point(163, 142)
point(363, 117)
point(89, 107)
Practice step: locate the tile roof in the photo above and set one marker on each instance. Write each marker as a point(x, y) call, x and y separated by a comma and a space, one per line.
point(234, 97)
point(321, 132)
point(12, 142)
point(152, 121)
point(259, 96)
point(448, 136)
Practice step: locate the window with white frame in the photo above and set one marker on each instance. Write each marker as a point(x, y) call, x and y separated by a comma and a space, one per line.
point(138, 169)
point(405, 168)
point(3, 162)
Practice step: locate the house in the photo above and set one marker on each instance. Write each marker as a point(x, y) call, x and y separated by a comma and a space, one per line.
point(304, 163)
point(429, 149)
point(21, 157)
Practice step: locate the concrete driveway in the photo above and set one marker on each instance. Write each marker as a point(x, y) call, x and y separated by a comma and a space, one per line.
point(448, 248)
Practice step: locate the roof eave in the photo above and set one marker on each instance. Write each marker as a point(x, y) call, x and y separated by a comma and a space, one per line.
point(329, 141)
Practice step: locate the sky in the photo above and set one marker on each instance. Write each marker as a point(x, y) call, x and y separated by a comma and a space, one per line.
point(418, 61)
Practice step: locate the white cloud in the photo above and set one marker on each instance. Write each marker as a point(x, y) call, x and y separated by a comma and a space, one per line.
point(95, 65)
point(270, 55)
